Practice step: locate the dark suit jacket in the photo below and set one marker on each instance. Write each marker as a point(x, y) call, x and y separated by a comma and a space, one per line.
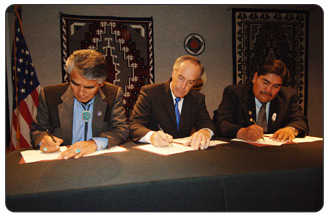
point(55, 112)
point(155, 109)
point(238, 107)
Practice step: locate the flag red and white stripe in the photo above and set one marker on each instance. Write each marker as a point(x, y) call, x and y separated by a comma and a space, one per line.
point(26, 88)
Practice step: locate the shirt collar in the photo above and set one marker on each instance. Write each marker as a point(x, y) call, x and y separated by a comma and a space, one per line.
point(89, 103)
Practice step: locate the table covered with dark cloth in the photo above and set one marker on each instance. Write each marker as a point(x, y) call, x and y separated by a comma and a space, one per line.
point(230, 177)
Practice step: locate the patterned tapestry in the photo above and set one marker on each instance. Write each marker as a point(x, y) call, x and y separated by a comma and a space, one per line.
point(126, 43)
point(280, 34)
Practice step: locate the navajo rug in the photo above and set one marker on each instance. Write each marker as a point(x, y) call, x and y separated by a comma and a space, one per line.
point(126, 43)
point(280, 34)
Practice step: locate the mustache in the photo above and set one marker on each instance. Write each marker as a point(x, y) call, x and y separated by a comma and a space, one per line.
point(266, 93)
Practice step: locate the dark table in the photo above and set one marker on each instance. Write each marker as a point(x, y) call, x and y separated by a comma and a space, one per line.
point(231, 177)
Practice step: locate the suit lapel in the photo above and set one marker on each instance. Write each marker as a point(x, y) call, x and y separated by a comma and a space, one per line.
point(99, 111)
point(274, 113)
point(168, 102)
point(187, 108)
point(248, 105)
point(65, 111)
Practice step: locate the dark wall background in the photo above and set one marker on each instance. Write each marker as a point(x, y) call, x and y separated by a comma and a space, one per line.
point(172, 24)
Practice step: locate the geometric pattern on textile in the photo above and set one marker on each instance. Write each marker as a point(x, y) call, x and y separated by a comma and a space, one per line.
point(126, 43)
point(259, 35)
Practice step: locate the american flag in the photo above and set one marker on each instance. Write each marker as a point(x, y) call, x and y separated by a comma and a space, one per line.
point(26, 88)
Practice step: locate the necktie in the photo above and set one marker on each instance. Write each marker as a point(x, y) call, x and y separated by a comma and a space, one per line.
point(177, 113)
point(261, 119)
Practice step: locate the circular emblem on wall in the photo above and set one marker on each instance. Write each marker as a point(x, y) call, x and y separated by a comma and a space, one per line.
point(194, 44)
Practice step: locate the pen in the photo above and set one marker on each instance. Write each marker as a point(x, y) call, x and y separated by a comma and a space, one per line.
point(164, 133)
point(256, 124)
point(52, 137)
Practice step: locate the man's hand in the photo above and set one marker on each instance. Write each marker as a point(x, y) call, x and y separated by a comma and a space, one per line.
point(79, 149)
point(199, 140)
point(48, 145)
point(283, 134)
point(250, 133)
point(160, 139)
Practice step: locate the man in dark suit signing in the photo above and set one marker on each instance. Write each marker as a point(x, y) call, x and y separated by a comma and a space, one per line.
point(247, 111)
point(86, 113)
point(173, 109)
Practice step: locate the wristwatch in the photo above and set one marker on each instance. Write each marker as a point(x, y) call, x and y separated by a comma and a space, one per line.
point(295, 131)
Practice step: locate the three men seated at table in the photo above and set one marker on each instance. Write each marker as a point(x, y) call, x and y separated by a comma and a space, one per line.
point(88, 114)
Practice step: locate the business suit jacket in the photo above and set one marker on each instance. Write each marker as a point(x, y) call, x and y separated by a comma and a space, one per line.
point(155, 109)
point(55, 112)
point(238, 107)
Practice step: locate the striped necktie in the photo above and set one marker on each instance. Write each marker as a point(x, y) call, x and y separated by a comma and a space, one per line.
point(261, 119)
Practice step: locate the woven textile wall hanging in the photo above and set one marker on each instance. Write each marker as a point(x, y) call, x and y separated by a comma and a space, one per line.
point(280, 34)
point(126, 43)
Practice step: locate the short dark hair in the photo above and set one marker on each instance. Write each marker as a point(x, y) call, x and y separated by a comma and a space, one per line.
point(274, 66)
point(90, 63)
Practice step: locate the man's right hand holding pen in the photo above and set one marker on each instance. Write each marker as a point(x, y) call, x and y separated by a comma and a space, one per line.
point(50, 143)
point(160, 139)
point(250, 133)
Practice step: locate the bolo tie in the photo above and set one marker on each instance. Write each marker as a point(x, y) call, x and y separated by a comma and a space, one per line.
point(86, 116)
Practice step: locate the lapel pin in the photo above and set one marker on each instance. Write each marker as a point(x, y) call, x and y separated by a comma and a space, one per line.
point(99, 113)
point(274, 116)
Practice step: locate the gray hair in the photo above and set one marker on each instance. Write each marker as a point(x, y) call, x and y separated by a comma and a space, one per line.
point(89, 63)
point(193, 59)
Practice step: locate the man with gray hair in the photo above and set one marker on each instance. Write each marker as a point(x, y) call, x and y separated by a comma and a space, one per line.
point(87, 113)
point(173, 109)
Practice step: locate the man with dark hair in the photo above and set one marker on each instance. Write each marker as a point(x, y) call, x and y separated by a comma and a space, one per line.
point(247, 111)
point(156, 115)
point(86, 113)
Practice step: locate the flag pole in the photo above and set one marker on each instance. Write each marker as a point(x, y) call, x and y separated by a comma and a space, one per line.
point(16, 87)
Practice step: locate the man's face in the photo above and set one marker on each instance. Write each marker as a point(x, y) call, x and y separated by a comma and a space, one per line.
point(266, 87)
point(185, 78)
point(83, 89)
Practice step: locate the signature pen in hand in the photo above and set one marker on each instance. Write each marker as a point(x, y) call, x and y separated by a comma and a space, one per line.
point(52, 137)
point(256, 124)
point(164, 133)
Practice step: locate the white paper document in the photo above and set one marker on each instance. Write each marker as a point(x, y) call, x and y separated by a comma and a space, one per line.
point(185, 139)
point(307, 139)
point(31, 156)
point(269, 142)
point(175, 148)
